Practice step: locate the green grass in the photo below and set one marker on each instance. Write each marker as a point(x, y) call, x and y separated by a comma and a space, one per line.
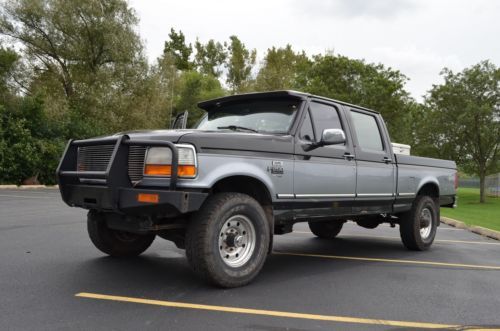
point(472, 212)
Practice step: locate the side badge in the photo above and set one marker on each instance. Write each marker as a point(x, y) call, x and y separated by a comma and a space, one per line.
point(276, 168)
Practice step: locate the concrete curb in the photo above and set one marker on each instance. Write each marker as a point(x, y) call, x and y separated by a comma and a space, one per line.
point(27, 187)
point(472, 228)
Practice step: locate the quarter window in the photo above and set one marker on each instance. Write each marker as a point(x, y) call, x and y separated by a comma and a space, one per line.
point(367, 131)
point(306, 131)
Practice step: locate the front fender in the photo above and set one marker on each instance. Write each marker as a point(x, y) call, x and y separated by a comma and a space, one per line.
point(212, 168)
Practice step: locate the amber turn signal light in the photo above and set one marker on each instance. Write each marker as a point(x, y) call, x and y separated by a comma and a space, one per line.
point(166, 170)
point(147, 197)
point(158, 169)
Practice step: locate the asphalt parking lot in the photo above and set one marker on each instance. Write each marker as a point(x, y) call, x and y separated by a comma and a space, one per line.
point(51, 278)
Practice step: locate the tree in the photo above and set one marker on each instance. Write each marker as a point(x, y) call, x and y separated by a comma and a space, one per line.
point(8, 60)
point(85, 60)
point(210, 57)
point(240, 63)
point(464, 119)
point(283, 69)
point(65, 37)
point(179, 49)
point(370, 85)
point(195, 87)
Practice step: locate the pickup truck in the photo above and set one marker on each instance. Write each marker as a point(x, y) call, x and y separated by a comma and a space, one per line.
point(252, 167)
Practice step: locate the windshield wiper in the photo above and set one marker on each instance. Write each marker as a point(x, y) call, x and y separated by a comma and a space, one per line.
point(236, 128)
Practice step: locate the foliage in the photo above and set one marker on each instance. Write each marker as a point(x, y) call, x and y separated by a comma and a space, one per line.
point(283, 69)
point(210, 57)
point(463, 119)
point(177, 47)
point(239, 65)
point(86, 58)
point(30, 144)
point(370, 85)
point(193, 88)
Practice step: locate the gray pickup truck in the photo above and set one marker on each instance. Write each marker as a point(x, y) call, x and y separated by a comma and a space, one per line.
point(254, 165)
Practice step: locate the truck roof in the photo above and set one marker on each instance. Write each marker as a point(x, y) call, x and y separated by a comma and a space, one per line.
point(209, 104)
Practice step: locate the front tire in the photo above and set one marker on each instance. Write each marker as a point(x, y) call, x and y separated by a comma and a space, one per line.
point(227, 240)
point(326, 230)
point(418, 226)
point(114, 242)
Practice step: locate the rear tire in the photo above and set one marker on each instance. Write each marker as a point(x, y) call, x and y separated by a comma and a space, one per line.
point(227, 240)
point(418, 226)
point(326, 230)
point(114, 242)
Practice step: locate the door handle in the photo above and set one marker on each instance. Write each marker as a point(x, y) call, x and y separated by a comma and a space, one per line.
point(348, 156)
point(386, 159)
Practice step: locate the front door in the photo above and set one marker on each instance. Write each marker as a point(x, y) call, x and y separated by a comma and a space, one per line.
point(324, 178)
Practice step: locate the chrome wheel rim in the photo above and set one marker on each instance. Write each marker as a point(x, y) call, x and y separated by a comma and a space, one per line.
point(425, 223)
point(237, 241)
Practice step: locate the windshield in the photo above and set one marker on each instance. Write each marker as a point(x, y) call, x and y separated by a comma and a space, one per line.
point(270, 116)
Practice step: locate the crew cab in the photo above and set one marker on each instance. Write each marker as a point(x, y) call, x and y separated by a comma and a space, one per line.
point(253, 166)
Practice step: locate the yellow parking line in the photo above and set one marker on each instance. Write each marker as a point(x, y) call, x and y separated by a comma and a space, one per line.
point(274, 313)
point(373, 259)
point(397, 238)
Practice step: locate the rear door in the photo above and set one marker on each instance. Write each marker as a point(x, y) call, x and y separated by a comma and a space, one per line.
point(375, 178)
point(324, 178)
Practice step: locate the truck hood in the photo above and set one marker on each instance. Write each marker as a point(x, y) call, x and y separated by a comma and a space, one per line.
point(218, 141)
point(211, 141)
point(169, 135)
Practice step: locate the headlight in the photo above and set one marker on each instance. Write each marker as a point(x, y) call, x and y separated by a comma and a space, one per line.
point(159, 162)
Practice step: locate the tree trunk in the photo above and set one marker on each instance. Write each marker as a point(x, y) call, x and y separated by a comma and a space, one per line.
point(482, 189)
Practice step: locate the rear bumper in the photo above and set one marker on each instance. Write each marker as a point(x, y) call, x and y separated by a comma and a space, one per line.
point(112, 189)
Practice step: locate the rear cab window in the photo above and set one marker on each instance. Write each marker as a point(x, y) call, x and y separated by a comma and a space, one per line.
point(367, 131)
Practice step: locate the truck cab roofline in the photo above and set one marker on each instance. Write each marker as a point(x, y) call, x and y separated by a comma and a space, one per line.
point(210, 104)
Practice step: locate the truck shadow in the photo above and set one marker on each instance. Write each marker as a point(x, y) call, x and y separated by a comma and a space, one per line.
point(164, 268)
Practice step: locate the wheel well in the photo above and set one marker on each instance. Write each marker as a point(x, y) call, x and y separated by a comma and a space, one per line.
point(429, 189)
point(432, 190)
point(254, 188)
point(247, 185)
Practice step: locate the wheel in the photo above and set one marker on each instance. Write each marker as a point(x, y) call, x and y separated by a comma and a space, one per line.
point(326, 230)
point(114, 242)
point(418, 226)
point(227, 240)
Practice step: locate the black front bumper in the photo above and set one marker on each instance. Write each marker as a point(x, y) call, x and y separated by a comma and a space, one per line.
point(113, 191)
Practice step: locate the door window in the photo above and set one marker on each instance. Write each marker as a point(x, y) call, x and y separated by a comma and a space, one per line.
point(324, 117)
point(367, 131)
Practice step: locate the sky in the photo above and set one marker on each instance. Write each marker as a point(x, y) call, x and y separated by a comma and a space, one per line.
point(417, 37)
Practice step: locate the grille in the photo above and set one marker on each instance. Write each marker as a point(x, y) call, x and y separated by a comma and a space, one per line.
point(136, 162)
point(94, 158)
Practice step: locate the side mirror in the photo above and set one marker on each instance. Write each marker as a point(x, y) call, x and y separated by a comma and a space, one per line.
point(328, 137)
point(180, 121)
point(332, 137)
